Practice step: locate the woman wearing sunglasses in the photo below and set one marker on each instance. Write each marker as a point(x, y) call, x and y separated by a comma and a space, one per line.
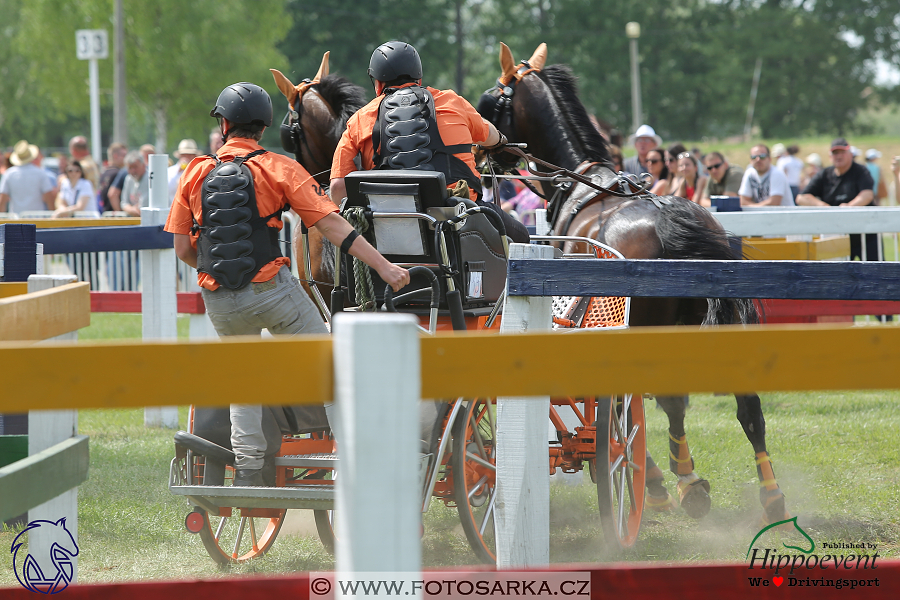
point(75, 192)
point(656, 165)
point(689, 184)
point(669, 185)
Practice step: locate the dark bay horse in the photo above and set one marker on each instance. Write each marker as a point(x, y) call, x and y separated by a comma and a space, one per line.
point(317, 116)
point(540, 107)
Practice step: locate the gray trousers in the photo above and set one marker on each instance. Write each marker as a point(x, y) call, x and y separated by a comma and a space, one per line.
point(279, 305)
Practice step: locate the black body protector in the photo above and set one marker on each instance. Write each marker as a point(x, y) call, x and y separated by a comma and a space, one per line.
point(235, 242)
point(406, 136)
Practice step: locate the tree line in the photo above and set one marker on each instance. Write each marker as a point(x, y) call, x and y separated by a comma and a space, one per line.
point(697, 58)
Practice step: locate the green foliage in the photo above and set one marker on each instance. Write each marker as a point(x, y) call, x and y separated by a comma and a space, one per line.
point(179, 55)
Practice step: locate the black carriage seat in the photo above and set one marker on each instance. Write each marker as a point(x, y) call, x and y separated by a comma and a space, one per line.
point(476, 250)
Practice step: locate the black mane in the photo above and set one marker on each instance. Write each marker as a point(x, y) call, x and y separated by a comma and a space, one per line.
point(562, 83)
point(344, 96)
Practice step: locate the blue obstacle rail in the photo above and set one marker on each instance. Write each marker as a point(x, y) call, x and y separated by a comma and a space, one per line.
point(103, 239)
point(780, 279)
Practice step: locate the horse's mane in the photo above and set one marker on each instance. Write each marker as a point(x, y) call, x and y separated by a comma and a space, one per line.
point(344, 96)
point(563, 84)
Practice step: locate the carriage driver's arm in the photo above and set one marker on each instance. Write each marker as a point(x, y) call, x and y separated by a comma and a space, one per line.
point(336, 229)
point(184, 250)
point(494, 138)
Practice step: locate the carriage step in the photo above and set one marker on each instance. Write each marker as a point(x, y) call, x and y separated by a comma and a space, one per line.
point(315, 461)
point(301, 496)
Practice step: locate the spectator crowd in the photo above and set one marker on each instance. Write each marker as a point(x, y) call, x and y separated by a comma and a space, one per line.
point(74, 184)
point(775, 176)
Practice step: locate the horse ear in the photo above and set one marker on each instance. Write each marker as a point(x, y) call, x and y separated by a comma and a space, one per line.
point(323, 68)
point(61, 522)
point(284, 84)
point(539, 58)
point(507, 62)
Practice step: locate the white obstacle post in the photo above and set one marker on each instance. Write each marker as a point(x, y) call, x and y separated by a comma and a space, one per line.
point(46, 428)
point(522, 514)
point(377, 392)
point(159, 305)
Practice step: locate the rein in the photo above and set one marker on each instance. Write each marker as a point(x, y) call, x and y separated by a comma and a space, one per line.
point(634, 189)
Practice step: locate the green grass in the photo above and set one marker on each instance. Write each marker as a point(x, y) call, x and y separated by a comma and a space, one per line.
point(836, 456)
point(123, 326)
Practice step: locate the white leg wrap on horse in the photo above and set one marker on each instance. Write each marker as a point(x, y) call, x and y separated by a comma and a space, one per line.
point(688, 479)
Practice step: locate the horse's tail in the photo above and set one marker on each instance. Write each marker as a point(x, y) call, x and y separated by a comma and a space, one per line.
point(688, 231)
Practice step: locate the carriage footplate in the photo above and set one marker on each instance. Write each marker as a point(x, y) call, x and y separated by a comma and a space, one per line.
point(308, 461)
point(318, 494)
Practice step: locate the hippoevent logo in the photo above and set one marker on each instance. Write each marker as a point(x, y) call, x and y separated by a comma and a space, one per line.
point(805, 567)
point(52, 572)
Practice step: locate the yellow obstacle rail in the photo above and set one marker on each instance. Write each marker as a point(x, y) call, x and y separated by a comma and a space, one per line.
point(45, 314)
point(665, 361)
point(80, 222)
point(12, 288)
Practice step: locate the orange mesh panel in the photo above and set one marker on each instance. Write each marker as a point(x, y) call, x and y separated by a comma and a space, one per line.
point(605, 312)
point(602, 311)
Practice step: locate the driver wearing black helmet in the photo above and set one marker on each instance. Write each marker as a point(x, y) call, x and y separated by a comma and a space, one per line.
point(409, 126)
point(226, 217)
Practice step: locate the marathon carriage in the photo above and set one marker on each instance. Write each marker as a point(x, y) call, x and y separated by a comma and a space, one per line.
point(457, 253)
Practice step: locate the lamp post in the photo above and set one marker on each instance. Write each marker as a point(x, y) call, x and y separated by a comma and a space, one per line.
point(633, 31)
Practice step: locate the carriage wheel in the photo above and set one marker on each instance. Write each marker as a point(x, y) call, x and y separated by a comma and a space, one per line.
point(325, 528)
point(238, 539)
point(473, 467)
point(620, 483)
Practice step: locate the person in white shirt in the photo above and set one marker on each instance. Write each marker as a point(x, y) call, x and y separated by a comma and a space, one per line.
point(25, 187)
point(75, 192)
point(791, 165)
point(186, 152)
point(763, 185)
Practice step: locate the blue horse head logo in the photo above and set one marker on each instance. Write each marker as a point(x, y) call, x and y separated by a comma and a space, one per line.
point(52, 573)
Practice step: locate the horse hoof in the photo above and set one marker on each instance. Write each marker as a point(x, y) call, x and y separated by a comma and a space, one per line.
point(660, 504)
point(774, 509)
point(695, 498)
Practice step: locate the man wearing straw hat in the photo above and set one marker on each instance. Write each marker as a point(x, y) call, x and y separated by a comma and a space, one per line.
point(25, 186)
point(186, 152)
point(644, 140)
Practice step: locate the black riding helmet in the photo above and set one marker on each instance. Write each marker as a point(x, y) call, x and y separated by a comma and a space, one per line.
point(395, 62)
point(244, 104)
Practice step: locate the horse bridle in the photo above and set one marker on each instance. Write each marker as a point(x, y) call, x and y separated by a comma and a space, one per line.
point(293, 138)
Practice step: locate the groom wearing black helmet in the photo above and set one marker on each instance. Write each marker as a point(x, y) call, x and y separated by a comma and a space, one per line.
point(226, 217)
point(438, 136)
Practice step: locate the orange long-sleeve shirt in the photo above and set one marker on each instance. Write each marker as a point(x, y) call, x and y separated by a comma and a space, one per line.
point(277, 180)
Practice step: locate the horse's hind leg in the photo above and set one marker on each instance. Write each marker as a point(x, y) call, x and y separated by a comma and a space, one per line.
point(658, 497)
point(749, 413)
point(692, 490)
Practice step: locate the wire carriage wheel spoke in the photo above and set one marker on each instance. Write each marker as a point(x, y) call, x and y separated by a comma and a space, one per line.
point(473, 467)
point(620, 441)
